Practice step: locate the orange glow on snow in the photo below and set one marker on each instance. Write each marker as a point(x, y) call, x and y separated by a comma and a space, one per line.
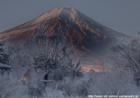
point(96, 68)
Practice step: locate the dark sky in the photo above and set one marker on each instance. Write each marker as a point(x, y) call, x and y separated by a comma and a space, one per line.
point(120, 15)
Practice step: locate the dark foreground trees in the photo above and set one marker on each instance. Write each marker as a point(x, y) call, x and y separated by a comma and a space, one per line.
point(4, 58)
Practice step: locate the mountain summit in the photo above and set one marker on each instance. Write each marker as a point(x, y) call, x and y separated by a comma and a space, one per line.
point(66, 25)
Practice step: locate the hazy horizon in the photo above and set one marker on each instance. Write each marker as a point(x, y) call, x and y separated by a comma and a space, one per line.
point(122, 16)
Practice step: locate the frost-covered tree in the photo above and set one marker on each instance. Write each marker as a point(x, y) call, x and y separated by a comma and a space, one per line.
point(128, 56)
point(61, 64)
point(113, 83)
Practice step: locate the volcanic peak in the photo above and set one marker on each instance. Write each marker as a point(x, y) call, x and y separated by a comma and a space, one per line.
point(56, 13)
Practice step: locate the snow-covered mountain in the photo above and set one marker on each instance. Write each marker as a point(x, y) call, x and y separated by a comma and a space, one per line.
point(63, 25)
